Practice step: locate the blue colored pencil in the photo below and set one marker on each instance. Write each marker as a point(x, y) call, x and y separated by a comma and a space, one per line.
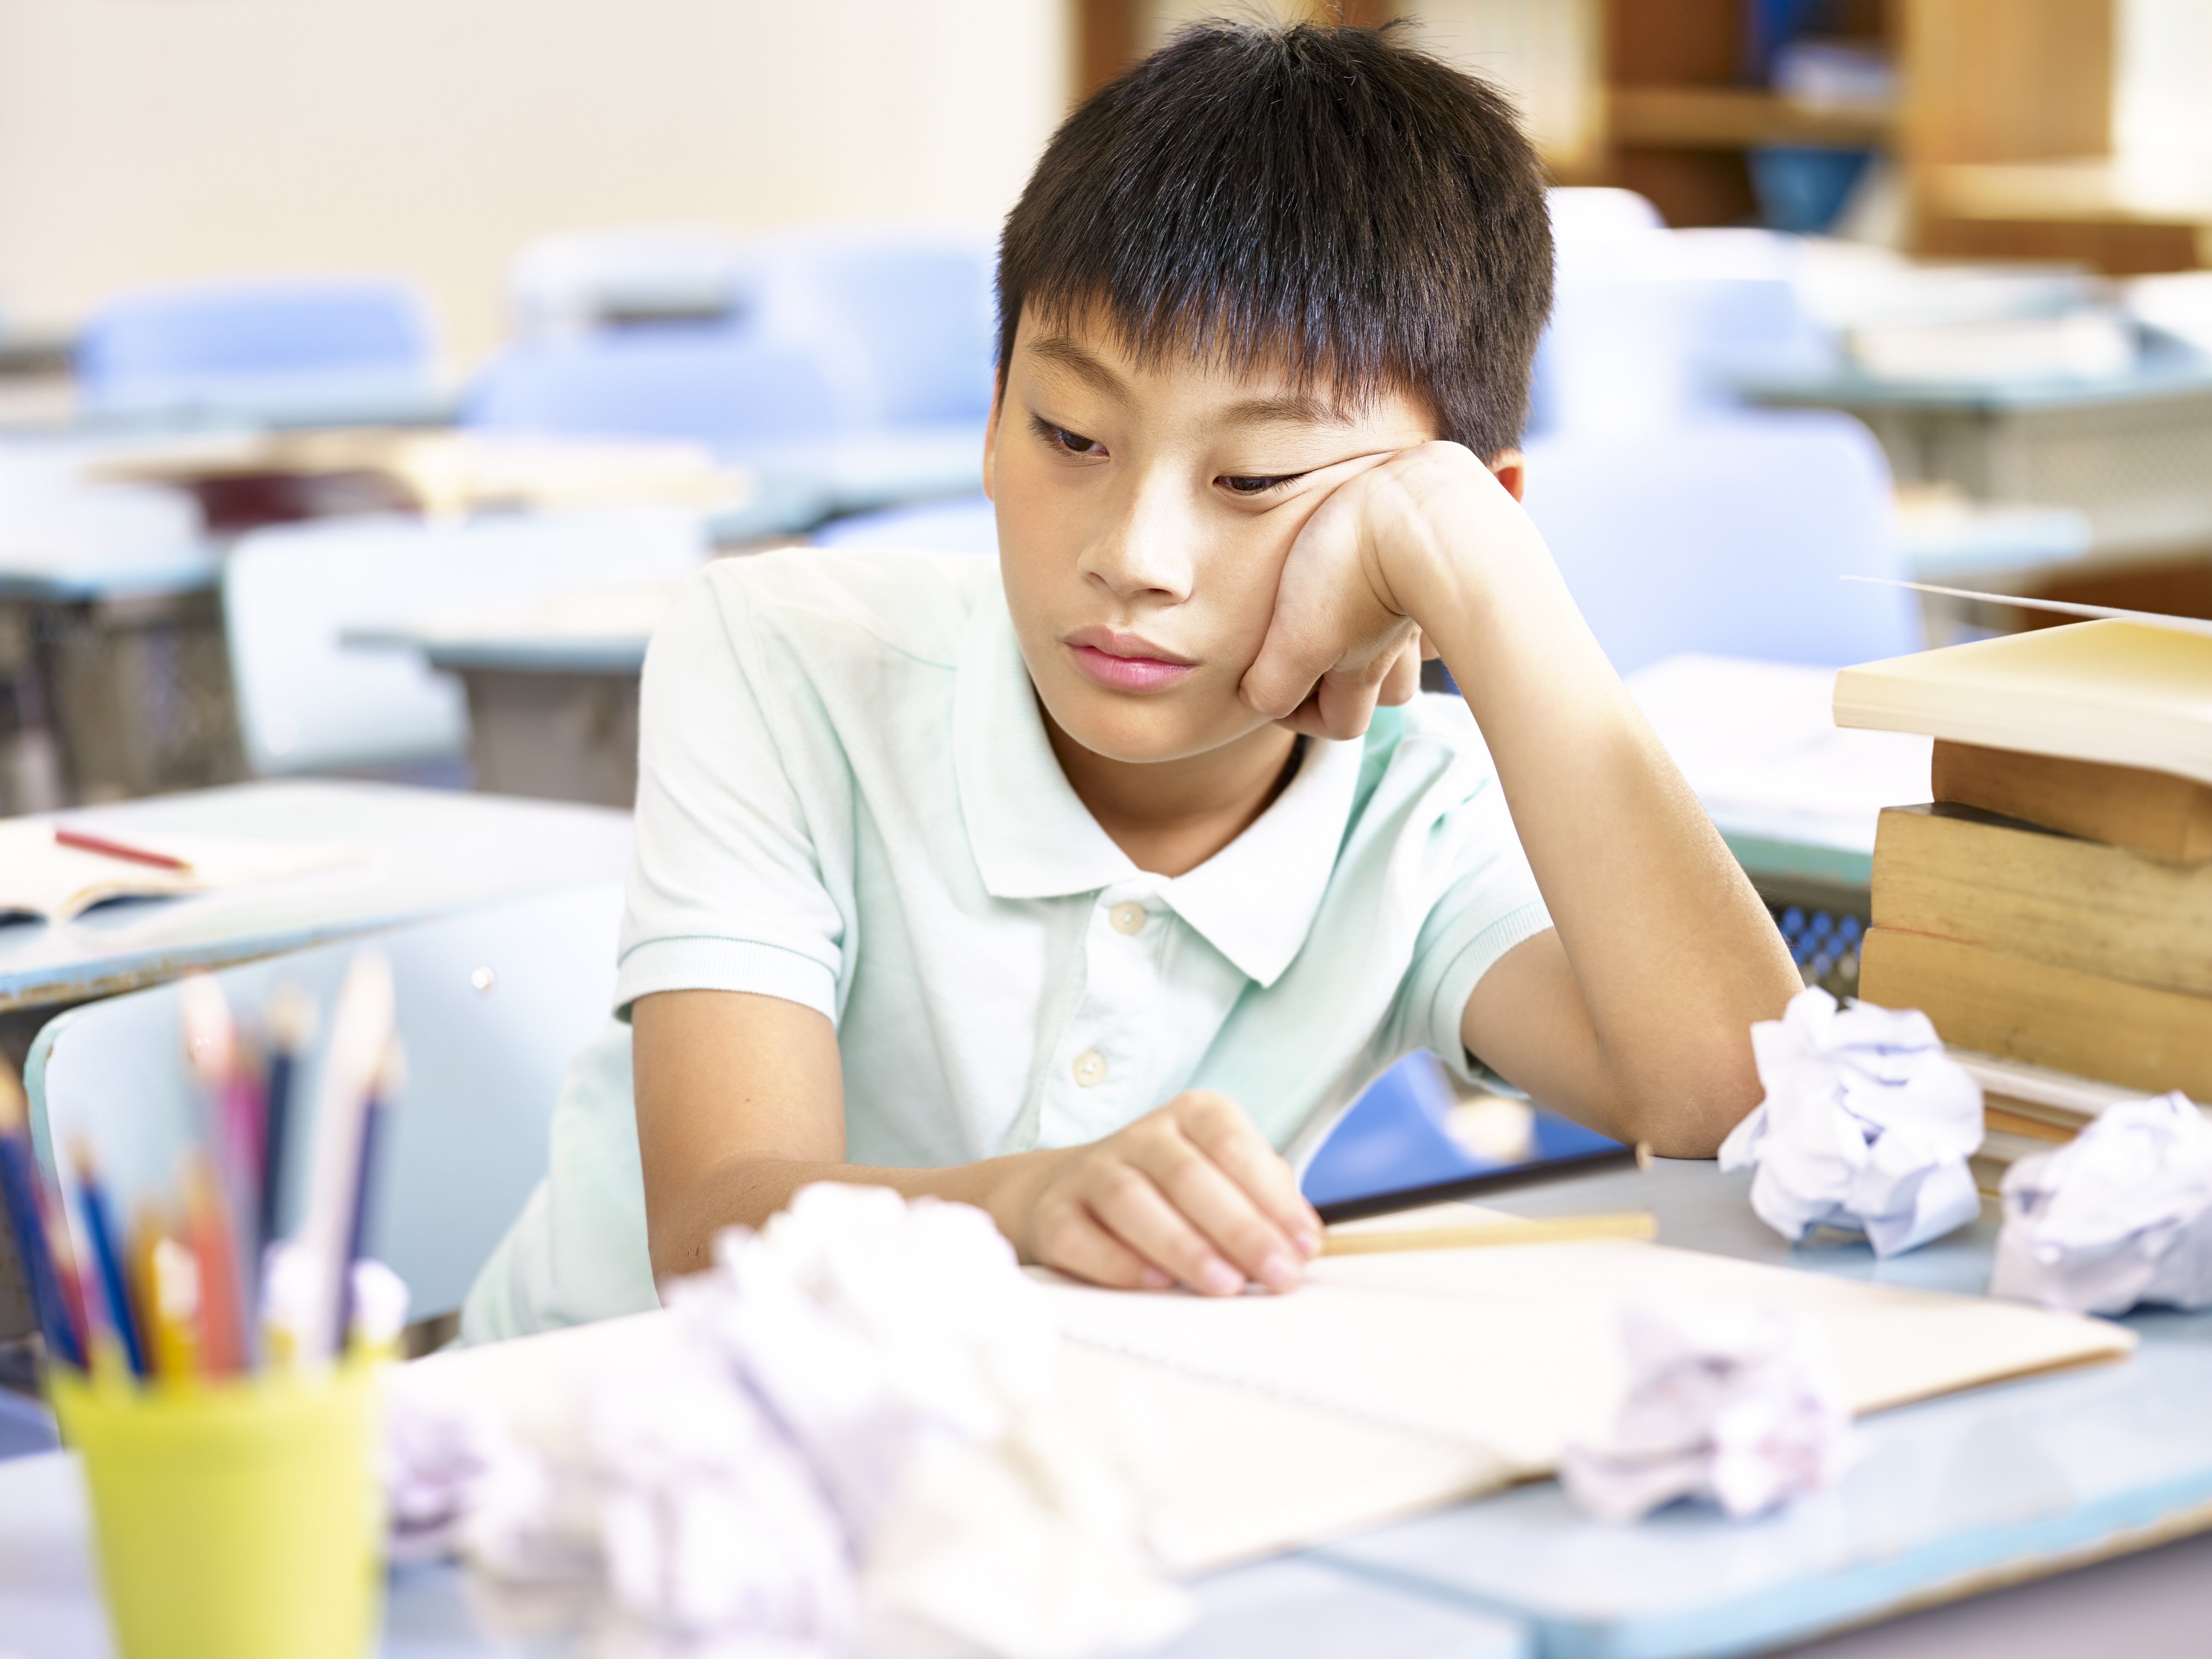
point(291, 1022)
point(108, 1256)
point(19, 1192)
point(388, 1077)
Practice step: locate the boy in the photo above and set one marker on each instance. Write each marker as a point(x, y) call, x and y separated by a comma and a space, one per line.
point(1085, 888)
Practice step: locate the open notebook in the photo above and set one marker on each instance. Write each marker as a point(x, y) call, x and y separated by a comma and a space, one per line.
point(1392, 1384)
point(41, 875)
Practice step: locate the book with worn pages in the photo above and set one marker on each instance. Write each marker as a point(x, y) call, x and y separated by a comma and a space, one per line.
point(2051, 906)
point(43, 876)
point(1388, 1384)
point(2161, 813)
point(2121, 694)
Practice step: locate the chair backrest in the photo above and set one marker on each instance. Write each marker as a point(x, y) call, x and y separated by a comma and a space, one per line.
point(1728, 537)
point(580, 281)
point(903, 316)
point(492, 1005)
point(265, 349)
point(307, 702)
point(704, 384)
point(968, 524)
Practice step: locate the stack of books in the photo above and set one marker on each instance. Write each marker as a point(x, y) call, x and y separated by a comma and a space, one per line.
point(2051, 909)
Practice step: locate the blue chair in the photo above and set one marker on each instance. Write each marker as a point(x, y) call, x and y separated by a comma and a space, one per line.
point(1393, 1140)
point(905, 316)
point(492, 1003)
point(967, 525)
point(701, 384)
point(293, 351)
point(1728, 537)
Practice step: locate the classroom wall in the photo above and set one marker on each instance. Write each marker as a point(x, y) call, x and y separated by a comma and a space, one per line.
point(147, 141)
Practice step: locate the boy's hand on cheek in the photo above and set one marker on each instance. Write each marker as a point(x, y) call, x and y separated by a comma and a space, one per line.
point(1191, 1194)
point(1346, 634)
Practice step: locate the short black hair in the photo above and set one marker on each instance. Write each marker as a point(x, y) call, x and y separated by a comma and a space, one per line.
point(1327, 197)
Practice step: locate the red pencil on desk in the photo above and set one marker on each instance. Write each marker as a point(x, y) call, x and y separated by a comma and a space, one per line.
point(85, 841)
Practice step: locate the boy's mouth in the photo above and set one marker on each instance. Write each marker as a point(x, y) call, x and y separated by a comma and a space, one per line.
point(1124, 662)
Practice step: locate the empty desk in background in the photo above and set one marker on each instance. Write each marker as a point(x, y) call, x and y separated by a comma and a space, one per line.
point(427, 851)
point(552, 687)
point(2131, 451)
point(1795, 797)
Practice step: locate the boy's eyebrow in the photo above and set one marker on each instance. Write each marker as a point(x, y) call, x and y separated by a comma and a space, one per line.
point(1060, 350)
point(1287, 408)
point(1281, 409)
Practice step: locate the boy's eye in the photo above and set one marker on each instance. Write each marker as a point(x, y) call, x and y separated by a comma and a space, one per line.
point(1247, 485)
point(1061, 438)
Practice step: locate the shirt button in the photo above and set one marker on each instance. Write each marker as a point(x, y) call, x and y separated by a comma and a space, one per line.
point(1127, 917)
point(1089, 1068)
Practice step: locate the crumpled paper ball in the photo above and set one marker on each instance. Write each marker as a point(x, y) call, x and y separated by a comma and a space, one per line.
point(1867, 1125)
point(2119, 1215)
point(1736, 1409)
point(846, 1434)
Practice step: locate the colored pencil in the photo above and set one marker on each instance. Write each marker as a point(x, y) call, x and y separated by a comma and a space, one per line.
point(390, 1079)
point(1550, 1229)
point(360, 1034)
point(107, 1258)
point(173, 1302)
point(223, 1314)
point(291, 1029)
point(21, 1194)
point(85, 841)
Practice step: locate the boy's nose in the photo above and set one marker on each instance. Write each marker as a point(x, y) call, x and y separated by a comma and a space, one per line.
point(1146, 549)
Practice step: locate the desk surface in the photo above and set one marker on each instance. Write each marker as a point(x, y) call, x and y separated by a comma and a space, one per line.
point(1291, 1609)
point(1948, 1498)
point(2155, 377)
point(1447, 1587)
point(430, 850)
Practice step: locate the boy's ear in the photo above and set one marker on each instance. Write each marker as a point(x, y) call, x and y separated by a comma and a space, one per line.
point(991, 434)
point(1511, 469)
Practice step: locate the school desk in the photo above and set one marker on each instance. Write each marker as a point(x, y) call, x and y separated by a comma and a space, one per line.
point(427, 851)
point(2131, 451)
point(1947, 1498)
point(1291, 1609)
point(552, 685)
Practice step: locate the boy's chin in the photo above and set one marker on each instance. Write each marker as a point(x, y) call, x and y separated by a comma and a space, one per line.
point(1152, 729)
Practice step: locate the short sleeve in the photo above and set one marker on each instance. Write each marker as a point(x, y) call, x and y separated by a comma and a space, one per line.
point(1486, 902)
point(727, 890)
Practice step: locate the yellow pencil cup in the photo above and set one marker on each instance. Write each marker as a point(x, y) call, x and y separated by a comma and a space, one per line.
point(235, 1521)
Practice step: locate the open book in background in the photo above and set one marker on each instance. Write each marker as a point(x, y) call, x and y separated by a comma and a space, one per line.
point(42, 874)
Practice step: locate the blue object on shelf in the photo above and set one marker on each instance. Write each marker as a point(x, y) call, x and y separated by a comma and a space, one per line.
point(1803, 188)
point(268, 351)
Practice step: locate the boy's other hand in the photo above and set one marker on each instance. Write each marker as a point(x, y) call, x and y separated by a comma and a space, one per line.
point(1191, 1194)
point(1346, 634)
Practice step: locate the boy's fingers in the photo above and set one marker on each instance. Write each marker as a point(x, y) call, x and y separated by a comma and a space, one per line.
point(1077, 1243)
point(1402, 681)
point(1138, 1213)
point(1244, 1156)
point(1227, 1214)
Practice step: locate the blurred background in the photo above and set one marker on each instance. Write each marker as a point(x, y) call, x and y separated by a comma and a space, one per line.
point(371, 370)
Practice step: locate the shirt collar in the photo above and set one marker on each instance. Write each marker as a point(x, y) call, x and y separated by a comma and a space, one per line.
point(1253, 900)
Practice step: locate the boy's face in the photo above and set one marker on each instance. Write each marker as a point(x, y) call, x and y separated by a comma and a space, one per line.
point(1145, 514)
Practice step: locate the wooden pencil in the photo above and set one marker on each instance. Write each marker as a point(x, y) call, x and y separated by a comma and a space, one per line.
point(1548, 1230)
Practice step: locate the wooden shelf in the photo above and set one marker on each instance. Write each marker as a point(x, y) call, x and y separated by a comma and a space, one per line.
point(1725, 117)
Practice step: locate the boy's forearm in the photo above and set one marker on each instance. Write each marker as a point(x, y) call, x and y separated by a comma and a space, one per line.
point(746, 1189)
point(1674, 952)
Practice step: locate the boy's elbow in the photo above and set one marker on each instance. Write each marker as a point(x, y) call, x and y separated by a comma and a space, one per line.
point(1697, 1102)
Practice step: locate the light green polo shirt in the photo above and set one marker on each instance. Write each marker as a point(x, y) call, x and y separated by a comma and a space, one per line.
point(846, 798)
